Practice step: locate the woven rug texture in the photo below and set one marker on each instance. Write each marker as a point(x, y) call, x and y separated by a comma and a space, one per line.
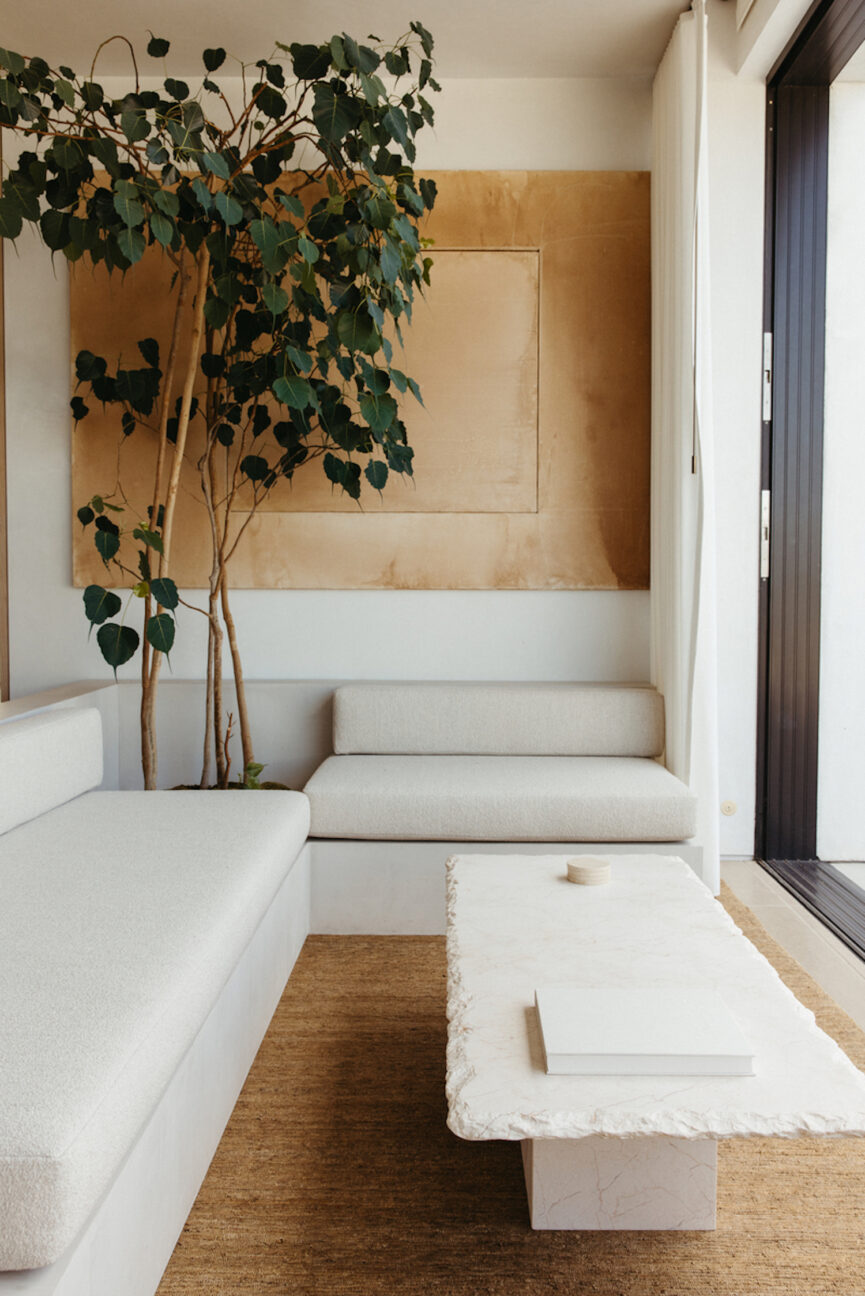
point(337, 1175)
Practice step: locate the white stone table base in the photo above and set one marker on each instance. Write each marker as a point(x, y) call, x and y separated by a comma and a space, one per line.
point(610, 1183)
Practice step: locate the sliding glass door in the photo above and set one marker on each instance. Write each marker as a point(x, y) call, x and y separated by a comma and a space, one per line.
point(809, 764)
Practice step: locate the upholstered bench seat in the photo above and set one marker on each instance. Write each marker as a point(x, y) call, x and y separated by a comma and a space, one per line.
point(485, 762)
point(122, 917)
point(499, 798)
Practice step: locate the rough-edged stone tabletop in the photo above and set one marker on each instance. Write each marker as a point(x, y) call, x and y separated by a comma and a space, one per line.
point(516, 923)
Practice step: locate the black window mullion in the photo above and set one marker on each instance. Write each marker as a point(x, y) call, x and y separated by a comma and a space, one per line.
point(801, 173)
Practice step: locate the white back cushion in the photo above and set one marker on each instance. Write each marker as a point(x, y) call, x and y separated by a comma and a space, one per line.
point(47, 759)
point(498, 720)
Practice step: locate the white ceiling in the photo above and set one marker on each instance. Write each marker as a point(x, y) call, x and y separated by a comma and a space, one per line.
point(474, 38)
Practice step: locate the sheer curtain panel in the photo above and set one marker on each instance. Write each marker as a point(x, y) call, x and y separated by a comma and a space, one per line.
point(684, 660)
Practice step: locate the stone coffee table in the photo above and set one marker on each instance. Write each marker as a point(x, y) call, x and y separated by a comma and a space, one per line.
point(621, 1152)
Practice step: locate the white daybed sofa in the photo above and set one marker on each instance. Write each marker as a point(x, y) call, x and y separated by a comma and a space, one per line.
point(145, 940)
point(424, 770)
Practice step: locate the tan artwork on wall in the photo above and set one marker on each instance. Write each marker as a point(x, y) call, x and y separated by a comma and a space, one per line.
point(532, 447)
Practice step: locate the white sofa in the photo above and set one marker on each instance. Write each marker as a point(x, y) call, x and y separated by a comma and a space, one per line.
point(423, 770)
point(145, 940)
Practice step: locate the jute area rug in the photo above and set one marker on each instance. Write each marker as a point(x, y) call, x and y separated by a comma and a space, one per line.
point(337, 1173)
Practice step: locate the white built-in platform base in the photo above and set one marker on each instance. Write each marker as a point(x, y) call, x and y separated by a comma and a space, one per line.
point(613, 1183)
point(397, 888)
point(129, 1238)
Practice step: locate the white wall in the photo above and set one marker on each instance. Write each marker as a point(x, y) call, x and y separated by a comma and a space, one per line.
point(549, 125)
point(841, 764)
point(291, 635)
point(736, 177)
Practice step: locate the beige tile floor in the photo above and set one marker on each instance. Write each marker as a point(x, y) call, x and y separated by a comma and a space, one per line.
point(836, 968)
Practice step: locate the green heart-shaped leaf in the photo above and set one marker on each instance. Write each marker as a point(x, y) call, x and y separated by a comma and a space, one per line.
point(160, 632)
point(100, 604)
point(117, 643)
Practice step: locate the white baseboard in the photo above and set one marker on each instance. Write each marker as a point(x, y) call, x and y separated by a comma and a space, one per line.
point(386, 888)
point(132, 1232)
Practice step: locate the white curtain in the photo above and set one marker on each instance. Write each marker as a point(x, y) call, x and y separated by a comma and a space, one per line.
point(684, 661)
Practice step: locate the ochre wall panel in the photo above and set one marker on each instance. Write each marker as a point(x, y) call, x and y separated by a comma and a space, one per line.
point(532, 457)
point(472, 347)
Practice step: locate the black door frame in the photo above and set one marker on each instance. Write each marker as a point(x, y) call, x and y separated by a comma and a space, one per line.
point(797, 139)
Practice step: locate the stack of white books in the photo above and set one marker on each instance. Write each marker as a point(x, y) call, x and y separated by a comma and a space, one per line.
point(652, 1031)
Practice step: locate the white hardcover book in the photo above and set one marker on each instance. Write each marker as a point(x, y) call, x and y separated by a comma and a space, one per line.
point(654, 1031)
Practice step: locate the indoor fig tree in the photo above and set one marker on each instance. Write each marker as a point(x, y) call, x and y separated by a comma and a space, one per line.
point(286, 201)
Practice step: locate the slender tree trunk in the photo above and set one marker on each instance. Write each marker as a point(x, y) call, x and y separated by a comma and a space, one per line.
point(147, 708)
point(208, 712)
point(185, 406)
point(239, 683)
point(208, 487)
point(148, 703)
point(184, 277)
point(216, 632)
point(148, 747)
point(215, 740)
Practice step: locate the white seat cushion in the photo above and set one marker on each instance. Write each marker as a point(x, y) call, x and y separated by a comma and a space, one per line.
point(474, 719)
point(499, 798)
point(122, 916)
